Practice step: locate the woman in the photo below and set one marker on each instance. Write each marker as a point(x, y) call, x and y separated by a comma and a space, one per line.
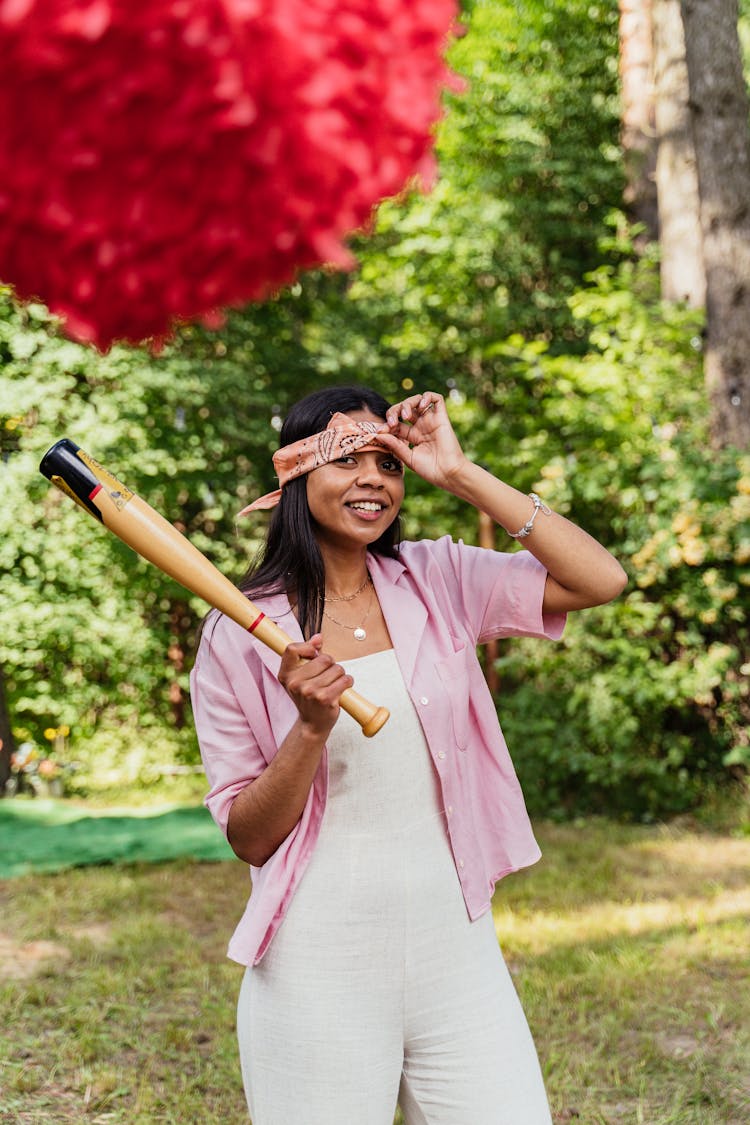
point(374, 973)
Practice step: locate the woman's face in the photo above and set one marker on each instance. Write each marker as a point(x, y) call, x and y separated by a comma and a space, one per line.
point(354, 500)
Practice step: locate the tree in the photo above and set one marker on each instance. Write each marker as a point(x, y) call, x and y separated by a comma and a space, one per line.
point(683, 276)
point(719, 112)
point(638, 135)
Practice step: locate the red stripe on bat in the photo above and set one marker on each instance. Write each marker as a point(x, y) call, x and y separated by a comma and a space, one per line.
point(94, 491)
point(256, 623)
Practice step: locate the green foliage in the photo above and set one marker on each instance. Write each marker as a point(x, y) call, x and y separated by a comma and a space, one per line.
point(510, 288)
point(648, 704)
point(88, 632)
point(529, 171)
point(744, 28)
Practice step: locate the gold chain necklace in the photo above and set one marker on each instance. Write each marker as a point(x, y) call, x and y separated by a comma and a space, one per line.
point(347, 597)
point(358, 630)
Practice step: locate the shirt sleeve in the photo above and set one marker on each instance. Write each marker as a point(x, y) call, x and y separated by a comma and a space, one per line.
point(231, 755)
point(514, 608)
point(502, 593)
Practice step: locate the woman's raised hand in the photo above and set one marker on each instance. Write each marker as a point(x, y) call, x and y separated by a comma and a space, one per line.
point(315, 683)
point(420, 433)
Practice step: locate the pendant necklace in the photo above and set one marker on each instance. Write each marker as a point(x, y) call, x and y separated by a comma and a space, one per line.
point(359, 631)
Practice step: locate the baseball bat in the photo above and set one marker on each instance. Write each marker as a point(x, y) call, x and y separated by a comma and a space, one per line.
point(82, 478)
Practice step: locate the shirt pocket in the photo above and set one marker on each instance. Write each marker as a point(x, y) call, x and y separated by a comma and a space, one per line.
point(454, 676)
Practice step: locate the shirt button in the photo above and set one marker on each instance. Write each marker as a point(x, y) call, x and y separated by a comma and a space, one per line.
point(450, 810)
point(441, 754)
point(424, 701)
point(460, 863)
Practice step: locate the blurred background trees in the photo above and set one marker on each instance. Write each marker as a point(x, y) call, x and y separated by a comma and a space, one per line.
point(685, 133)
point(552, 286)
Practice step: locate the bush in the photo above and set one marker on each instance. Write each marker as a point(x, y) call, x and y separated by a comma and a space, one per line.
point(645, 709)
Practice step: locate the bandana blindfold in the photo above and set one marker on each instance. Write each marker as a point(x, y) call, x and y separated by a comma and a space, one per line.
point(341, 437)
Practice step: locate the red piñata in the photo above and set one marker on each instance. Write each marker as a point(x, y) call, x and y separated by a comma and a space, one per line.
point(162, 160)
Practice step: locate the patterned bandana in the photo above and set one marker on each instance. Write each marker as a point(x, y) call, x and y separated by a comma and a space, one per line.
point(341, 437)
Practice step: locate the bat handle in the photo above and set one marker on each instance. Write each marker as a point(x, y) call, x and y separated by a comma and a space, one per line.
point(369, 716)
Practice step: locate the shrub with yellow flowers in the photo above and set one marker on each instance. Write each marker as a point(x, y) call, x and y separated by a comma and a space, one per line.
point(644, 709)
point(37, 773)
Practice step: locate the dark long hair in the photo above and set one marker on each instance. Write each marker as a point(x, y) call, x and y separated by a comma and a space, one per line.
point(291, 560)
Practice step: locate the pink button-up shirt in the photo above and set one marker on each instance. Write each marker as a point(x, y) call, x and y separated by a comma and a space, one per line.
point(439, 599)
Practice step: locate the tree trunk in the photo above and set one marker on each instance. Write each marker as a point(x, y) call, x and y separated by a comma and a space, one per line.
point(681, 244)
point(638, 132)
point(7, 744)
point(719, 111)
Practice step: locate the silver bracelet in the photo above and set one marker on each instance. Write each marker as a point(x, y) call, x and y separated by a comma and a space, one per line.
point(528, 527)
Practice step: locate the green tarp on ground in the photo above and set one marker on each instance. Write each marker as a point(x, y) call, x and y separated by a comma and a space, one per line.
point(48, 835)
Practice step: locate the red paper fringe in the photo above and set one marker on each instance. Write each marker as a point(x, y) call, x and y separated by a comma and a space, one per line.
point(162, 160)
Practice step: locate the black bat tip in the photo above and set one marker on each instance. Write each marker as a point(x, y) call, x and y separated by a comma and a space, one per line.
point(57, 457)
point(65, 464)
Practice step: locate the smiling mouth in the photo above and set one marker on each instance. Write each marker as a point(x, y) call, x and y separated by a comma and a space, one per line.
point(366, 506)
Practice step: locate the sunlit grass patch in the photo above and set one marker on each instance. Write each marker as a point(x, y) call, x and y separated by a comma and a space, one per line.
point(628, 946)
point(632, 962)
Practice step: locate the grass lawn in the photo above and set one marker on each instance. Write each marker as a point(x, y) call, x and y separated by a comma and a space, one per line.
point(629, 947)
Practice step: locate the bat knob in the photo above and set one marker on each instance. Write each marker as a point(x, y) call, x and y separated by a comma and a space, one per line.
point(373, 724)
